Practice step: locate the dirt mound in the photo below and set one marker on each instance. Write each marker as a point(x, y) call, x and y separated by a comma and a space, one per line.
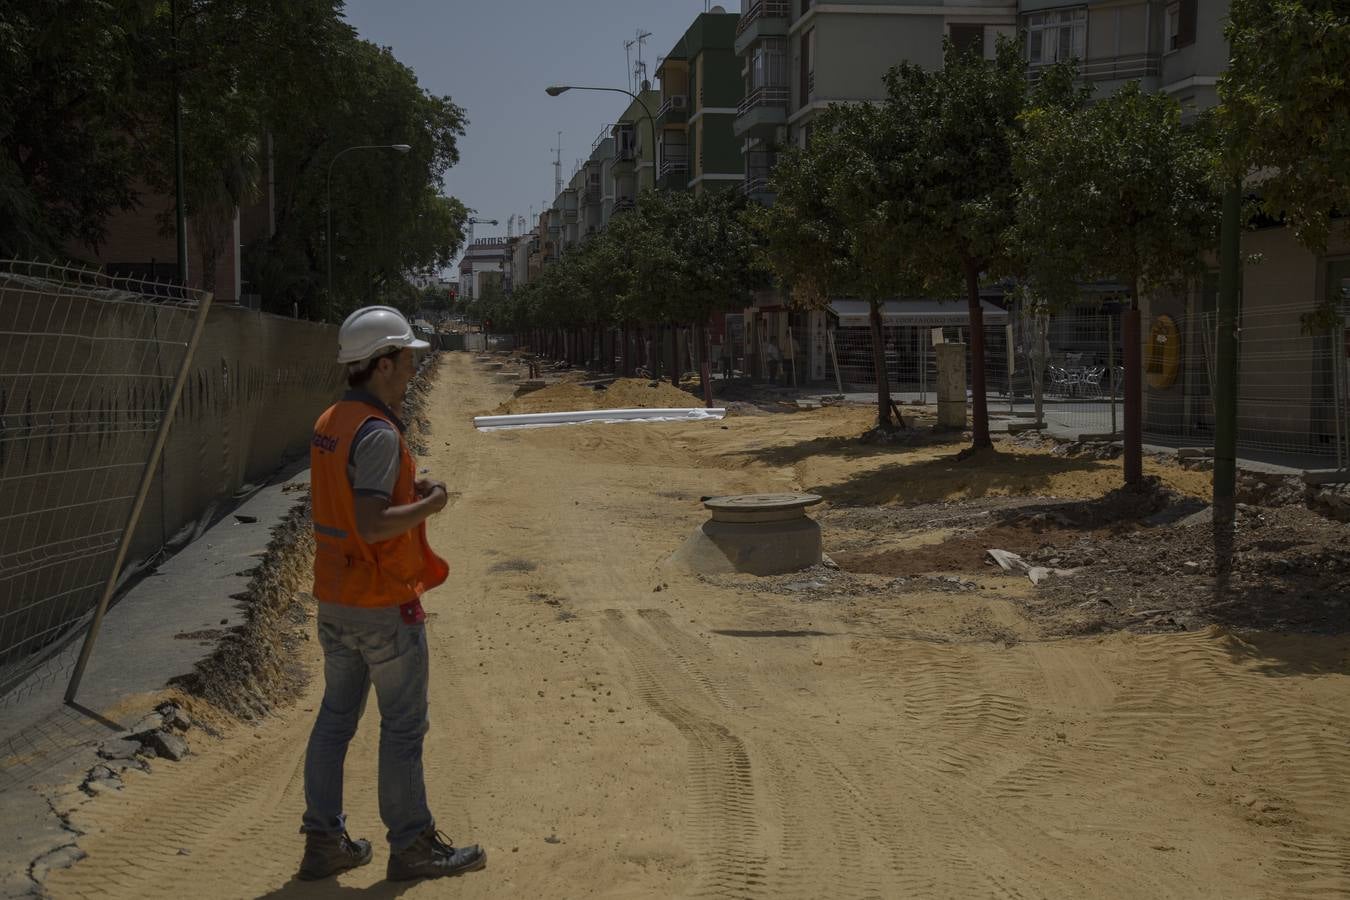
point(634, 393)
point(562, 397)
point(625, 393)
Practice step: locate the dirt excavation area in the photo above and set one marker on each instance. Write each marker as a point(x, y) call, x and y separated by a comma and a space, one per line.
point(907, 720)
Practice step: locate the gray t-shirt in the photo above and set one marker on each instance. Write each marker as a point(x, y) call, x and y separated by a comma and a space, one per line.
point(372, 467)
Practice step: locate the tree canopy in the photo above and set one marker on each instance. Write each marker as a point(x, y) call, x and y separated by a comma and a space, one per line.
point(87, 130)
point(1285, 97)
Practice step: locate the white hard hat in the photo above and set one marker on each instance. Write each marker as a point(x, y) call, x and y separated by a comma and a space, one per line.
point(373, 330)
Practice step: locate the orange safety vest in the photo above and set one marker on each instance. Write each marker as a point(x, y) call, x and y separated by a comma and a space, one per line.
point(347, 570)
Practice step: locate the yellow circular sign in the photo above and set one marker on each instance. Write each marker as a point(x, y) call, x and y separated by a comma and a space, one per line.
point(1164, 353)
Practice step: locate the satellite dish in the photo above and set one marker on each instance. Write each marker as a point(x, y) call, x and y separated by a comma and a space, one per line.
point(717, 11)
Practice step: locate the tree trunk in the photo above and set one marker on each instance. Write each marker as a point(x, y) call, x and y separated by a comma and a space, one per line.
point(879, 366)
point(705, 370)
point(1040, 355)
point(979, 413)
point(676, 356)
point(658, 352)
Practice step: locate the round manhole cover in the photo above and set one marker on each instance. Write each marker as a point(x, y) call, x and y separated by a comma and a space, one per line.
point(751, 508)
point(764, 502)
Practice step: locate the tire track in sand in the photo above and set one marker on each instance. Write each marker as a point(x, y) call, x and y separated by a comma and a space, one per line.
point(833, 849)
point(730, 858)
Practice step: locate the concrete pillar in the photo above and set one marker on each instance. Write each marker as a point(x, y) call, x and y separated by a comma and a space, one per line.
point(951, 386)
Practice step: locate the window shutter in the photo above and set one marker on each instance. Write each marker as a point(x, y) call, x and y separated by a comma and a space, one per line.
point(1186, 24)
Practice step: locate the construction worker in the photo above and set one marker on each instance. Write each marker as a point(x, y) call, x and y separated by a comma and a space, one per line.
point(372, 563)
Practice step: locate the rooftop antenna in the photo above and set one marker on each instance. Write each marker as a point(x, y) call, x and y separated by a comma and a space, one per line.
point(557, 168)
point(628, 62)
point(640, 70)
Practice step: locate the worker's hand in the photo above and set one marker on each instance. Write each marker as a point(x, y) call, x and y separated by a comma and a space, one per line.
point(436, 497)
point(423, 486)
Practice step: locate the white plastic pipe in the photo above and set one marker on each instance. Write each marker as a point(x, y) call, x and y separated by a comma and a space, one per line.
point(581, 417)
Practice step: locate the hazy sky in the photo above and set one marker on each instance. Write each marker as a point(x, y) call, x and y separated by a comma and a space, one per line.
point(495, 57)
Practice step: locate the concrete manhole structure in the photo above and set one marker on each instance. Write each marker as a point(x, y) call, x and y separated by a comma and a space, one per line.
point(758, 534)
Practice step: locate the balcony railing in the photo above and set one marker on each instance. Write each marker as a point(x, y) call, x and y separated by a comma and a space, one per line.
point(674, 160)
point(768, 9)
point(769, 95)
point(605, 134)
point(1139, 65)
point(759, 166)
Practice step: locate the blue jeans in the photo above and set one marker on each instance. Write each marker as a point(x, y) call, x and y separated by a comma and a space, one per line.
point(362, 647)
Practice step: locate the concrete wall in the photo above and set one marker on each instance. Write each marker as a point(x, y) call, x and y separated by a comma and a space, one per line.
point(82, 382)
point(853, 52)
point(136, 237)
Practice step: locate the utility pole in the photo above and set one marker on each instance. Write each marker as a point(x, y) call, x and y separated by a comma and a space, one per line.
point(557, 168)
point(180, 190)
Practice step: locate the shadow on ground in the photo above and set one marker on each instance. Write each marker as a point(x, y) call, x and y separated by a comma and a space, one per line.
point(932, 480)
point(295, 889)
point(850, 447)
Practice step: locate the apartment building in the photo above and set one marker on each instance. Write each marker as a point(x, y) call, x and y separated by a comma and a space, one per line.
point(1177, 47)
point(701, 89)
point(633, 169)
point(800, 56)
point(486, 260)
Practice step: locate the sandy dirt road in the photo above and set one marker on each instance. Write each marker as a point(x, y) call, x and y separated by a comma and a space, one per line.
point(607, 727)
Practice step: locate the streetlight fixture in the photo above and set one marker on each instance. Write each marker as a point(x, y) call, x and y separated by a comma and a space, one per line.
point(328, 234)
point(554, 90)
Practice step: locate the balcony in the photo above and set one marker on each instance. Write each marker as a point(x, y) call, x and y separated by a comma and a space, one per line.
point(674, 111)
point(761, 19)
point(761, 112)
point(1122, 68)
point(674, 171)
point(623, 204)
point(759, 166)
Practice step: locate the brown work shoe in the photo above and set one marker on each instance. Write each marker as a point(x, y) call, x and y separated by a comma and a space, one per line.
point(431, 855)
point(328, 854)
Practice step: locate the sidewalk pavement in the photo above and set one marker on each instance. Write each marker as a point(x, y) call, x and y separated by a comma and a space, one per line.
point(161, 628)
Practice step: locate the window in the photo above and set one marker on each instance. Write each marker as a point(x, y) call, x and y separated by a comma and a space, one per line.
point(769, 65)
point(968, 39)
point(1056, 36)
point(1180, 24)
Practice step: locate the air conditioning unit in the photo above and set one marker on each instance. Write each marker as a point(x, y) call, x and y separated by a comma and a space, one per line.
point(679, 102)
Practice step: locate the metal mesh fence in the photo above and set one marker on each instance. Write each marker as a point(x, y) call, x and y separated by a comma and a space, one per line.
point(1293, 380)
point(1292, 388)
point(1082, 374)
point(87, 369)
point(911, 364)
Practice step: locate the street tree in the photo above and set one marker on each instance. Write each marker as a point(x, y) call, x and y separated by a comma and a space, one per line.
point(949, 138)
point(829, 231)
point(1120, 189)
point(70, 121)
point(1284, 97)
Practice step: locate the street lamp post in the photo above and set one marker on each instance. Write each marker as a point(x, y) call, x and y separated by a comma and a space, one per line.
point(554, 90)
point(328, 234)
